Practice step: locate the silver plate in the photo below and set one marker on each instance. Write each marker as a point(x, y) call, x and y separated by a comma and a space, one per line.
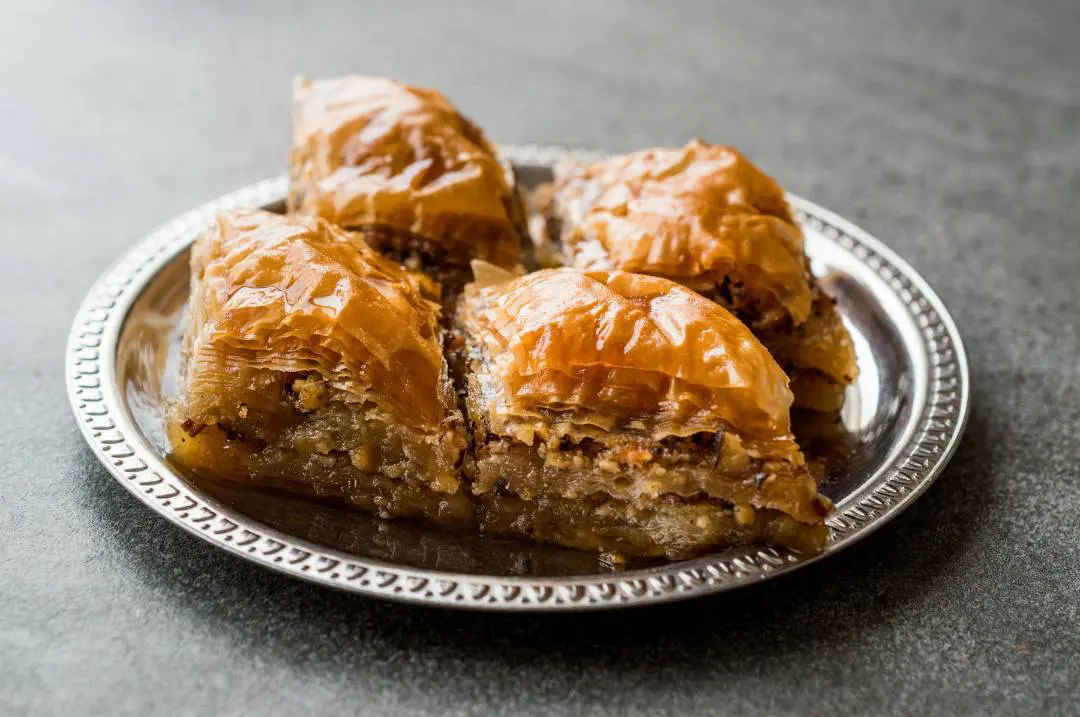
point(902, 421)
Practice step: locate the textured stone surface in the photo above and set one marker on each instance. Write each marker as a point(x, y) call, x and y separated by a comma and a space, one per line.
point(949, 128)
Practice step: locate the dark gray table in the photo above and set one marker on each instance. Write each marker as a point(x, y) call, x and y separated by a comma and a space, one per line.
point(951, 129)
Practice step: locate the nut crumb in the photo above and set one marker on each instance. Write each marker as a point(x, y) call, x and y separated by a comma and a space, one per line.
point(638, 457)
point(365, 457)
point(311, 393)
point(744, 514)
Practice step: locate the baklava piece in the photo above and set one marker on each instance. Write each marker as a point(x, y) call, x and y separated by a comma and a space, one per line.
point(706, 217)
point(313, 364)
point(401, 164)
point(624, 413)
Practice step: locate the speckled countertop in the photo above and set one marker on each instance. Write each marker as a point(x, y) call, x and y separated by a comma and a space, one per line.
point(951, 129)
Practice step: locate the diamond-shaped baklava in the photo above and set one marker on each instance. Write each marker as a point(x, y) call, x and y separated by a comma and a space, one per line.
point(402, 164)
point(704, 216)
point(313, 364)
point(626, 413)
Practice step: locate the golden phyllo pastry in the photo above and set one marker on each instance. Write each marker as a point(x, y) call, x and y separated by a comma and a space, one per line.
point(704, 216)
point(312, 363)
point(619, 412)
point(400, 163)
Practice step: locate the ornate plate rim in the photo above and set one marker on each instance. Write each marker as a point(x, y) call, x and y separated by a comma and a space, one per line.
point(117, 442)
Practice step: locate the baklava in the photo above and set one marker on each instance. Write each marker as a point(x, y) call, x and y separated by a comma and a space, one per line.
point(625, 413)
point(313, 364)
point(704, 216)
point(404, 166)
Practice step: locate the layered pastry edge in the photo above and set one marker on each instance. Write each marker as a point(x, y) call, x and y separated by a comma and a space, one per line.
point(311, 363)
point(671, 477)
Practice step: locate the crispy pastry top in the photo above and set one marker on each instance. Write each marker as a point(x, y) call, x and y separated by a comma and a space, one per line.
point(700, 212)
point(626, 350)
point(369, 151)
point(298, 294)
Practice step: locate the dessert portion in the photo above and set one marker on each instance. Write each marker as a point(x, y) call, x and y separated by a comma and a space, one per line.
point(634, 403)
point(401, 164)
point(704, 216)
point(608, 411)
point(313, 364)
point(625, 413)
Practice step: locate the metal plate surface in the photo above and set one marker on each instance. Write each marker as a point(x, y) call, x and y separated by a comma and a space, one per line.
point(902, 421)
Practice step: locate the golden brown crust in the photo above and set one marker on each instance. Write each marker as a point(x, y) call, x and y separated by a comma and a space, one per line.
point(297, 294)
point(695, 214)
point(626, 347)
point(629, 389)
point(373, 152)
point(706, 217)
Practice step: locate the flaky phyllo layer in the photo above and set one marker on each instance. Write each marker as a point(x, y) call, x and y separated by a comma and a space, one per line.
point(612, 350)
point(627, 386)
point(292, 321)
point(376, 154)
point(704, 216)
point(697, 214)
point(293, 294)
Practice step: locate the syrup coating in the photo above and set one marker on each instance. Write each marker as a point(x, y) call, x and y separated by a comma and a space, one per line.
point(694, 214)
point(370, 151)
point(295, 294)
point(629, 348)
